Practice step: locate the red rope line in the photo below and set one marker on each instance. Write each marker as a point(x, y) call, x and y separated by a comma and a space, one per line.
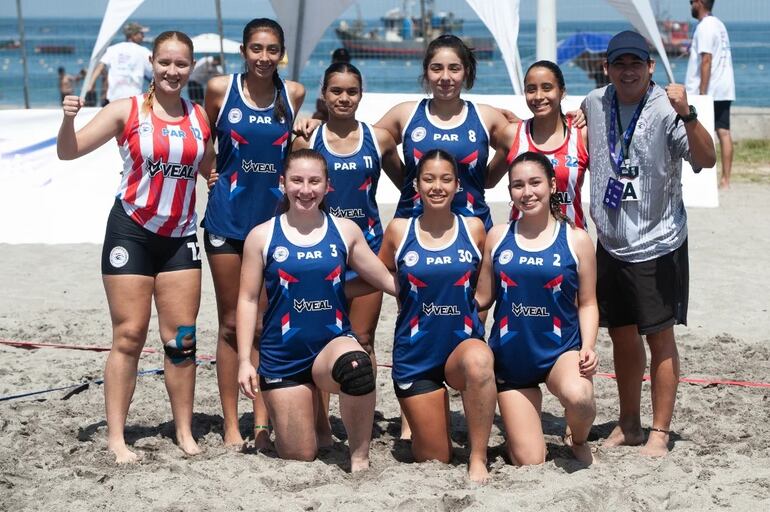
point(92, 348)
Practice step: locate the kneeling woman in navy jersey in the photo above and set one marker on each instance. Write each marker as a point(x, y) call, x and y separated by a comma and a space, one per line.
point(438, 336)
point(541, 272)
point(307, 343)
point(150, 248)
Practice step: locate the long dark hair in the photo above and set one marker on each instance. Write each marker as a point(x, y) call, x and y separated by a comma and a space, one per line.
point(545, 163)
point(341, 67)
point(553, 68)
point(168, 35)
point(308, 154)
point(439, 155)
point(460, 48)
point(256, 25)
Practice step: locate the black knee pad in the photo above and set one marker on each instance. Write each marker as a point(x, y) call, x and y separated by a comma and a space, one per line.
point(182, 347)
point(354, 373)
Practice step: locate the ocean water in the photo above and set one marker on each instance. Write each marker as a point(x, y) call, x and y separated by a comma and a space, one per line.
point(750, 46)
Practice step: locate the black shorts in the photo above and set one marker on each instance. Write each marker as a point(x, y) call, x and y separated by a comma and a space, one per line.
point(427, 382)
point(215, 244)
point(652, 295)
point(722, 115)
point(131, 249)
point(298, 379)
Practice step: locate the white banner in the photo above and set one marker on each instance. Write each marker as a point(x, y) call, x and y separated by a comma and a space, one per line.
point(45, 200)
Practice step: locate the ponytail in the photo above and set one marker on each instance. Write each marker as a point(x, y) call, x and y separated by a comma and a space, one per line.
point(147, 105)
point(281, 109)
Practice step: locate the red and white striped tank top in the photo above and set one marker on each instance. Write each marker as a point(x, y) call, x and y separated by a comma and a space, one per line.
point(570, 162)
point(160, 166)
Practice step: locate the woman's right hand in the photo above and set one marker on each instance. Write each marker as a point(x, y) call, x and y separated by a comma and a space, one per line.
point(247, 379)
point(212, 180)
point(305, 126)
point(71, 105)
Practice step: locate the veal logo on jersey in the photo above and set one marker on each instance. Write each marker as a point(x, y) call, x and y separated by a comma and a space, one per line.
point(347, 213)
point(522, 310)
point(170, 170)
point(440, 310)
point(302, 305)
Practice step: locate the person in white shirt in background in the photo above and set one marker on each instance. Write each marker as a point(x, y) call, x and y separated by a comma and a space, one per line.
point(710, 71)
point(205, 69)
point(128, 65)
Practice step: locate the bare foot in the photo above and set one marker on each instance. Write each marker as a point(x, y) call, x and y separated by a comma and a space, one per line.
point(724, 184)
point(357, 465)
point(122, 454)
point(188, 445)
point(233, 439)
point(261, 438)
point(581, 451)
point(621, 436)
point(477, 471)
point(657, 445)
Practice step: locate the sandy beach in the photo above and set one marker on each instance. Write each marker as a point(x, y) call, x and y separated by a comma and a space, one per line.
point(53, 450)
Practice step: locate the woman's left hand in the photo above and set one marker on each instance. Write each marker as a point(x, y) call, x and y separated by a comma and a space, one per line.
point(588, 362)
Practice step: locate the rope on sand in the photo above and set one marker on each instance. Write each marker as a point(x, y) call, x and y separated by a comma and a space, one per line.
point(203, 359)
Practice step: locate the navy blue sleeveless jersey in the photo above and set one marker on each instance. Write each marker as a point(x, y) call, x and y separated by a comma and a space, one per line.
point(467, 142)
point(354, 178)
point(536, 318)
point(437, 311)
point(251, 147)
point(306, 300)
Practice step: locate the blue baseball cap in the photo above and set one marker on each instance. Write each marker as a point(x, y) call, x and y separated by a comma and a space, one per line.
point(625, 42)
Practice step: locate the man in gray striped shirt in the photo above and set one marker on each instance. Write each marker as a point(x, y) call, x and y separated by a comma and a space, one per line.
point(638, 134)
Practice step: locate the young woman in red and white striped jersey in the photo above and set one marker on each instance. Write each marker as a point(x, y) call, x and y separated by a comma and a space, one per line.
point(150, 247)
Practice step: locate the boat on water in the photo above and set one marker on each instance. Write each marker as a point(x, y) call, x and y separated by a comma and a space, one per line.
point(55, 49)
point(10, 44)
point(403, 36)
point(676, 36)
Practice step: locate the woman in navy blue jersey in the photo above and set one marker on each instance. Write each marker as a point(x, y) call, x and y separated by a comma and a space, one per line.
point(251, 114)
point(439, 337)
point(307, 343)
point(355, 152)
point(541, 273)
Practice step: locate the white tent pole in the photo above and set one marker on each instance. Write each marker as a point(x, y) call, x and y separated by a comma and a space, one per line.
point(221, 31)
point(22, 41)
point(296, 64)
point(546, 30)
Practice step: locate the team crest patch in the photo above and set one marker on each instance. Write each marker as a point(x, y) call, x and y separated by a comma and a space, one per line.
point(216, 240)
point(418, 134)
point(280, 254)
point(235, 115)
point(145, 128)
point(118, 257)
point(411, 258)
point(506, 256)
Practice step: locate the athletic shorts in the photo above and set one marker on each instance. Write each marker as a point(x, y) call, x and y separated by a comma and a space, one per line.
point(215, 244)
point(298, 379)
point(722, 115)
point(427, 382)
point(503, 385)
point(131, 249)
point(652, 295)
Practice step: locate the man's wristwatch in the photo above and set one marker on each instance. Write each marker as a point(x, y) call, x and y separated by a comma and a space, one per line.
point(692, 116)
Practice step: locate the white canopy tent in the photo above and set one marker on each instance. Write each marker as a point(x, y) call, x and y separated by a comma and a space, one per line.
point(305, 21)
point(212, 43)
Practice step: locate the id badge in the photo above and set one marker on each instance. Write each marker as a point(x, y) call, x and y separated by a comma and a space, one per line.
point(631, 190)
point(613, 194)
point(628, 171)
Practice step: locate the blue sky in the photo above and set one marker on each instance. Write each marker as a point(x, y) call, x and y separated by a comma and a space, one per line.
point(572, 10)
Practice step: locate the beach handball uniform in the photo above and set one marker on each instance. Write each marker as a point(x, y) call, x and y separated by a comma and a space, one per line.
point(251, 147)
point(570, 162)
point(353, 183)
point(306, 304)
point(467, 142)
point(536, 318)
point(151, 227)
point(437, 311)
